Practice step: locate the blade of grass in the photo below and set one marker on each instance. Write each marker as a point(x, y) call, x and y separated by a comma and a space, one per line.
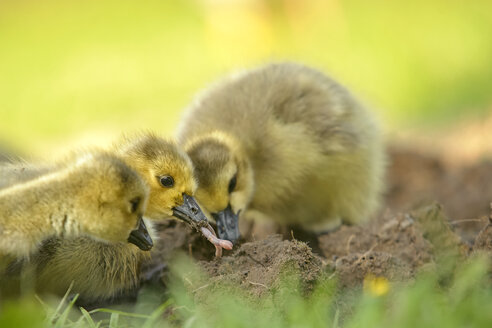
point(48, 309)
point(60, 322)
point(87, 317)
point(80, 322)
point(336, 319)
point(126, 314)
point(113, 321)
point(60, 305)
point(157, 313)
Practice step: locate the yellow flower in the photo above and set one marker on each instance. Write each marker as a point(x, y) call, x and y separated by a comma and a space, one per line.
point(376, 286)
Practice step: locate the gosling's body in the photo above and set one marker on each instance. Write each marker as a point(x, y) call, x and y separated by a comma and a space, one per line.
point(104, 272)
point(92, 196)
point(304, 150)
point(96, 270)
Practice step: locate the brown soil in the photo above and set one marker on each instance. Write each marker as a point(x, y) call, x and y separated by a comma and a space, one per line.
point(464, 191)
point(396, 244)
point(257, 266)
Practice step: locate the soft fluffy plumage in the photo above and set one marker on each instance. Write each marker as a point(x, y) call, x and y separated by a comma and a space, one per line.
point(295, 145)
point(96, 194)
point(102, 272)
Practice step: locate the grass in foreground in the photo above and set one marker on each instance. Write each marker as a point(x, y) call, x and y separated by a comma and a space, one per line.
point(425, 302)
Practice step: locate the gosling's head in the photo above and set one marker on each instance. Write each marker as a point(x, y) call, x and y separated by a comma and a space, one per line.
point(225, 179)
point(113, 198)
point(168, 172)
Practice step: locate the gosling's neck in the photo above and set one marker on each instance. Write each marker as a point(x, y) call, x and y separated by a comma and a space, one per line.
point(33, 211)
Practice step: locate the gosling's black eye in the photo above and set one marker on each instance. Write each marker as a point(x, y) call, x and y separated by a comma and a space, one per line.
point(232, 183)
point(134, 204)
point(166, 181)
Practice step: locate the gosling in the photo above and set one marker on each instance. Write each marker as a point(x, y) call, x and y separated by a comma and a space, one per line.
point(97, 195)
point(283, 143)
point(114, 269)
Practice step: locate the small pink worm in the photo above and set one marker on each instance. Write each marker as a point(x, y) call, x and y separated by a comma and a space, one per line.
point(209, 233)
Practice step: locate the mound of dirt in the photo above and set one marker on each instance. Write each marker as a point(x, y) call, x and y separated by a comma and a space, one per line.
point(257, 266)
point(395, 247)
point(397, 235)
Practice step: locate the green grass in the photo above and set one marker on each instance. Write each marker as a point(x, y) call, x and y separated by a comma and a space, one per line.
point(425, 302)
point(85, 71)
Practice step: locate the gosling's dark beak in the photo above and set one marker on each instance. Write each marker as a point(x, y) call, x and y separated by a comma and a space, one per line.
point(190, 212)
point(227, 224)
point(140, 236)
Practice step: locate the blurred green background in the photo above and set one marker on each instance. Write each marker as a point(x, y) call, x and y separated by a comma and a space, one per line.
point(82, 72)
